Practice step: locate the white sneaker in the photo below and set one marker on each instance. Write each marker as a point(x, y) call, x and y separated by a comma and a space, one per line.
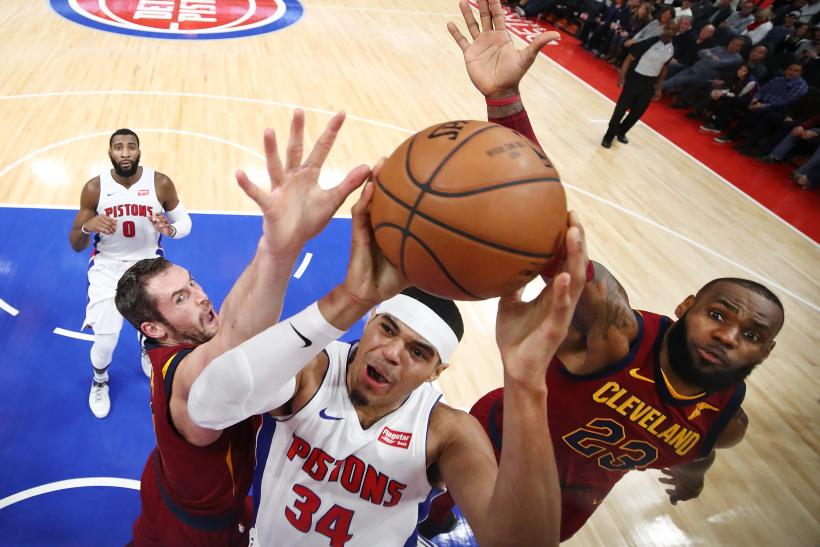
point(146, 361)
point(98, 399)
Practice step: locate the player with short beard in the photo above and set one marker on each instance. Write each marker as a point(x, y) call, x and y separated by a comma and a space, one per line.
point(128, 209)
point(628, 389)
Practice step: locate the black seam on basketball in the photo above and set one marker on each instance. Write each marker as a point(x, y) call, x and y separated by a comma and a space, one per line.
point(410, 176)
point(490, 188)
point(454, 230)
point(455, 149)
point(432, 255)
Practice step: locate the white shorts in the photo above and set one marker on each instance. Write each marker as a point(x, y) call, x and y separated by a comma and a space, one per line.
point(101, 313)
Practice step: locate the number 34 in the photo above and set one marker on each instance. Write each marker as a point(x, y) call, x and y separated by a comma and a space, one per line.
point(335, 523)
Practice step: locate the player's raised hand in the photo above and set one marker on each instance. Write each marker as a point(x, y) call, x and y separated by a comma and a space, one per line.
point(493, 63)
point(370, 276)
point(102, 224)
point(684, 486)
point(529, 333)
point(296, 208)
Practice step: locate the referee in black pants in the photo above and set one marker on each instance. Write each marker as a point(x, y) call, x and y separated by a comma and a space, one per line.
point(641, 82)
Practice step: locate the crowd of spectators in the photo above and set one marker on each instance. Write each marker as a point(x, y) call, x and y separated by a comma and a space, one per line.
point(749, 71)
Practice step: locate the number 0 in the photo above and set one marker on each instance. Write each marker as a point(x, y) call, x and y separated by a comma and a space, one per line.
point(128, 229)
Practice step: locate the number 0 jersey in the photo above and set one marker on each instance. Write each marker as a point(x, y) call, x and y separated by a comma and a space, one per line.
point(327, 481)
point(135, 237)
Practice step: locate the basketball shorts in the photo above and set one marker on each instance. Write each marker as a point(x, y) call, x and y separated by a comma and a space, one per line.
point(101, 314)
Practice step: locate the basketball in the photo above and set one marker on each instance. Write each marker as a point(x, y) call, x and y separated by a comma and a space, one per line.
point(469, 210)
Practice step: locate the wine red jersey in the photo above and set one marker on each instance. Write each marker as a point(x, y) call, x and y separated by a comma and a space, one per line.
point(624, 417)
point(197, 481)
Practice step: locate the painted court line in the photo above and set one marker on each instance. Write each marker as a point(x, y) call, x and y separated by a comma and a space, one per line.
point(8, 308)
point(73, 334)
point(67, 485)
point(303, 266)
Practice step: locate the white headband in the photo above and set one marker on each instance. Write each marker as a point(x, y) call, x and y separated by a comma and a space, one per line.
point(424, 321)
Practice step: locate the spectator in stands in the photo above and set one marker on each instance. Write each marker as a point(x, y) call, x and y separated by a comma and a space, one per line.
point(756, 60)
point(711, 64)
point(641, 18)
point(736, 88)
point(807, 132)
point(736, 23)
point(687, 44)
point(760, 28)
point(712, 15)
point(810, 13)
point(684, 10)
point(781, 32)
point(769, 106)
point(591, 16)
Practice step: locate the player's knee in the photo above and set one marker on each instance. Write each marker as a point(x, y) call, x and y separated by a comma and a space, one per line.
point(103, 349)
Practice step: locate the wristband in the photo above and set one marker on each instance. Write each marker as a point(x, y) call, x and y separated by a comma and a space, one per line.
point(504, 102)
point(82, 229)
point(172, 236)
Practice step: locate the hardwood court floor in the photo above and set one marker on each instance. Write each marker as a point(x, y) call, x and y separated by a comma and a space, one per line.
point(661, 222)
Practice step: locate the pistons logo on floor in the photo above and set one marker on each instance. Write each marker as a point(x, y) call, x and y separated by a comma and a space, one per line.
point(182, 19)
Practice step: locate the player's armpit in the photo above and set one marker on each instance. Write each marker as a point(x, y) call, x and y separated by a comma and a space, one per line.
point(734, 431)
point(461, 454)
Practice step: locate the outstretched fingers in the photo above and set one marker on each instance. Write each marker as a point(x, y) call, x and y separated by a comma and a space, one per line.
point(460, 39)
point(355, 178)
point(250, 189)
point(295, 149)
point(324, 145)
point(538, 43)
point(497, 15)
point(469, 18)
point(276, 172)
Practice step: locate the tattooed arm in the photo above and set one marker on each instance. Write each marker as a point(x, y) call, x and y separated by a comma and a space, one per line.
point(602, 328)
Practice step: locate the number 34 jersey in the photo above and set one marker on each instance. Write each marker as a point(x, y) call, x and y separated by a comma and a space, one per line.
point(327, 481)
point(629, 417)
point(135, 237)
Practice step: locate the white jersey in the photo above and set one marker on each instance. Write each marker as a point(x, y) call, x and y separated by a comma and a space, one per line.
point(327, 481)
point(135, 237)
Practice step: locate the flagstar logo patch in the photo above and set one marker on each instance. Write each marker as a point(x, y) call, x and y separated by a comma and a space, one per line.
point(395, 438)
point(182, 19)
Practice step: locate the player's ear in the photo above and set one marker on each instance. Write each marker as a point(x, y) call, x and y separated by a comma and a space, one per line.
point(684, 306)
point(440, 367)
point(152, 330)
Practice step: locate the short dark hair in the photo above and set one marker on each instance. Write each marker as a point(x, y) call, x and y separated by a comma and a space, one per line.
point(132, 300)
point(122, 131)
point(753, 286)
point(444, 308)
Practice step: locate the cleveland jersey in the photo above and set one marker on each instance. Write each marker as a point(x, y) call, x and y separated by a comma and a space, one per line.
point(327, 481)
point(197, 482)
point(624, 417)
point(135, 237)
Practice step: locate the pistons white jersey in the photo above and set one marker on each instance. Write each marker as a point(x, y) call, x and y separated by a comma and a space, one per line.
point(135, 237)
point(326, 481)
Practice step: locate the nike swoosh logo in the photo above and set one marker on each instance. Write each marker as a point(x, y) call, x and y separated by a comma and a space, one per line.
point(635, 374)
point(111, 194)
point(302, 336)
point(323, 414)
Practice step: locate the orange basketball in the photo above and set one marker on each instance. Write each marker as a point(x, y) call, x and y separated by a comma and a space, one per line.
point(469, 210)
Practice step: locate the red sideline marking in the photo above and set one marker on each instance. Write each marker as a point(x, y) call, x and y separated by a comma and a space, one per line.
point(768, 184)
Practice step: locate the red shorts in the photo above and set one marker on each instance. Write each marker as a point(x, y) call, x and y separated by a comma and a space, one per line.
point(578, 502)
point(157, 526)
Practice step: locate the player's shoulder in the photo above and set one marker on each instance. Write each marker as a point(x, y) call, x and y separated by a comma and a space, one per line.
point(161, 180)
point(449, 423)
point(90, 196)
point(92, 183)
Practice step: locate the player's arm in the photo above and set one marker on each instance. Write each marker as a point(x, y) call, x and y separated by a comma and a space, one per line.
point(176, 222)
point(686, 481)
point(249, 379)
point(495, 66)
point(294, 210)
point(87, 221)
point(521, 504)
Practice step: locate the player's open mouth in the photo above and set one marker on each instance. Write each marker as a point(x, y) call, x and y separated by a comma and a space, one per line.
point(125, 163)
point(374, 377)
point(210, 317)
